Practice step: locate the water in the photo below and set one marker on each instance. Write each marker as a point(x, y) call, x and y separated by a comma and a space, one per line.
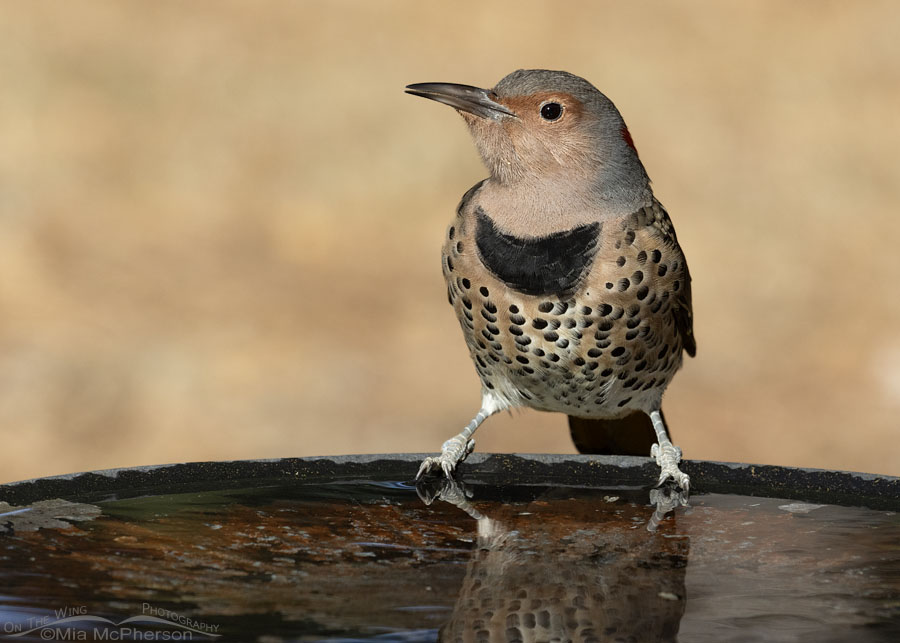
point(371, 561)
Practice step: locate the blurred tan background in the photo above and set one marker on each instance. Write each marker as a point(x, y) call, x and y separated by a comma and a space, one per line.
point(220, 223)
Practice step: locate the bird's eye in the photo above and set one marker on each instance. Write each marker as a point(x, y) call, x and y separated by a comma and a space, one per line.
point(551, 111)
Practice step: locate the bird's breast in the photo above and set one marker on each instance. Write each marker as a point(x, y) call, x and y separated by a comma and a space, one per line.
point(548, 265)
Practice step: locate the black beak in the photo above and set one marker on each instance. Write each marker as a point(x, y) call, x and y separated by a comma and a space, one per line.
point(466, 98)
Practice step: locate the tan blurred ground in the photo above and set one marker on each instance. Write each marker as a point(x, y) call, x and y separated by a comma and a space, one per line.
point(220, 223)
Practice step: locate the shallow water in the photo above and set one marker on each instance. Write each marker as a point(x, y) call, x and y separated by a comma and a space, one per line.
point(372, 561)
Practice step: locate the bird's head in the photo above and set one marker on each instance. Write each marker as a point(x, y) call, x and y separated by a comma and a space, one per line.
point(538, 126)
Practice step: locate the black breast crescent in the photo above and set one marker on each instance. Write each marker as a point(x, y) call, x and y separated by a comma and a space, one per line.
point(550, 265)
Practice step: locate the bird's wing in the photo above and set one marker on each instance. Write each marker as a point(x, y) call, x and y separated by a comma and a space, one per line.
point(684, 315)
point(657, 220)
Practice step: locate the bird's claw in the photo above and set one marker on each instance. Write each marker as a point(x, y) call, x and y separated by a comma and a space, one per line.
point(667, 457)
point(454, 451)
point(449, 490)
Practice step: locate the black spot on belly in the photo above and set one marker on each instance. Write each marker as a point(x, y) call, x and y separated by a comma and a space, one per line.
point(550, 265)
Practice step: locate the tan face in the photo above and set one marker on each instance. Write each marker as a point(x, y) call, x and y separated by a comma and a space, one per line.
point(551, 141)
point(547, 137)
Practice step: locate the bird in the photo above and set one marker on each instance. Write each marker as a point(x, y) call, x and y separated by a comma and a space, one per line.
point(558, 568)
point(564, 270)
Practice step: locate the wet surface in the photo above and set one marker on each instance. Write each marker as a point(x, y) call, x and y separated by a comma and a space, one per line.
point(372, 561)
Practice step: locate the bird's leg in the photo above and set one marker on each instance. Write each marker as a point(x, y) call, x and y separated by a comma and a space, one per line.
point(667, 455)
point(457, 448)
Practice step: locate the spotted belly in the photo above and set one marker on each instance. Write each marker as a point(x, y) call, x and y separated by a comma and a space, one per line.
point(606, 350)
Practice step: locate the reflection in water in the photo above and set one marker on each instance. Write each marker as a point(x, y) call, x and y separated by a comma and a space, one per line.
point(565, 570)
point(664, 500)
point(368, 561)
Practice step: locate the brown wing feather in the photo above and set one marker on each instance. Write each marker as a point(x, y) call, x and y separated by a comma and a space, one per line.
point(658, 219)
point(684, 315)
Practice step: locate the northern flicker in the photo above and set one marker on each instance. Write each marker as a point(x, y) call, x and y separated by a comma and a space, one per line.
point(565, 569)
point(564, 270)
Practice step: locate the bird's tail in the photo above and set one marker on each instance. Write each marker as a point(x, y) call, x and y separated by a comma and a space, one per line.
point(631, 434)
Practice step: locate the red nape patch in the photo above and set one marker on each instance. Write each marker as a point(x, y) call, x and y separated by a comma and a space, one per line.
point(626, 136)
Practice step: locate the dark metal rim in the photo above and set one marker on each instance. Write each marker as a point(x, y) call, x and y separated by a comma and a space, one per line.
point(811, 485)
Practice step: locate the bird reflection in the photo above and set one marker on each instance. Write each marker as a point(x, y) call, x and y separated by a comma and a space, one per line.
point(568, 569)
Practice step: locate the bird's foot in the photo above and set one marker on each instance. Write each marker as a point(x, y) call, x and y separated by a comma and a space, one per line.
point(447, 489)
point(667, 457)
point(454, 451)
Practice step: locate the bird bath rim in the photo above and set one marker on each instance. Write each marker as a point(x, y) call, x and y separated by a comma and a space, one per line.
point(812, 485)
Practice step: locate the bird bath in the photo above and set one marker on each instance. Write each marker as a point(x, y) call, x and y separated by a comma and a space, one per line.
point(531, 547)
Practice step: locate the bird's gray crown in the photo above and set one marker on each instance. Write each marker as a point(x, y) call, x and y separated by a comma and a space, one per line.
point(531, 81)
